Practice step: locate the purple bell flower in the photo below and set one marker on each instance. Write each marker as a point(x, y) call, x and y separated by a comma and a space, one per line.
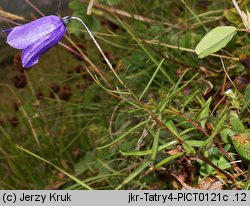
point(36, 37)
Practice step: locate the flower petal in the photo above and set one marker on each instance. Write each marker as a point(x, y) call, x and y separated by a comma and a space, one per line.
point(7, 30)
point(32, 53)
point(22, 36)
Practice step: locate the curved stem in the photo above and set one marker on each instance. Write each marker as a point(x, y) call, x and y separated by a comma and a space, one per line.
point(99, 48)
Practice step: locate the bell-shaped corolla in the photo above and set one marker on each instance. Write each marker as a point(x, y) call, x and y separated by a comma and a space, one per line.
point(36, 37)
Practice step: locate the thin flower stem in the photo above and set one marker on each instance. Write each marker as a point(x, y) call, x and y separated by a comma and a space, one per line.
point(78, 52)
point(99, 48)
point(85, 58)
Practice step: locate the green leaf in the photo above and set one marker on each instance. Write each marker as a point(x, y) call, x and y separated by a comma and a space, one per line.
point(169, 159)
point(241, 143)
point(215, 40)
point(237, 125)
point(188, 149)
point(246, 102)
point(247, 94)
point(147, 152)
point(134, 174)
point(203, 114)
point(215, 132)
point(151, 79)
point(194, 143)
point(137, 153)
point(215, 157)
point(155, 142)
point(170, 125)
point(123, 135)
point(226, 134)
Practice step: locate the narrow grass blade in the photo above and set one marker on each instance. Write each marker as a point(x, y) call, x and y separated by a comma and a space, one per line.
point(203, 113)
point(170, 125)
point(194, 143)
point(58, 168)
point(155, 142)
point(163, 103)
point(134, 174)
point(146, 51)
point(137, 153)
point(11, 165)
point(123, 136)
point(194, 14)
point(152, 78)
point(168, 159)
point(215, 132)
point(188, 149)
point(148, 152)
point(93, 180)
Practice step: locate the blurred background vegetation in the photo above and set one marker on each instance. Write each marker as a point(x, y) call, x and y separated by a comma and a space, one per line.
point(173, 121)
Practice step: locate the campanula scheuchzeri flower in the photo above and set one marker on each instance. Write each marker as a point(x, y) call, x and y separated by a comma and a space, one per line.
point(36, 37)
